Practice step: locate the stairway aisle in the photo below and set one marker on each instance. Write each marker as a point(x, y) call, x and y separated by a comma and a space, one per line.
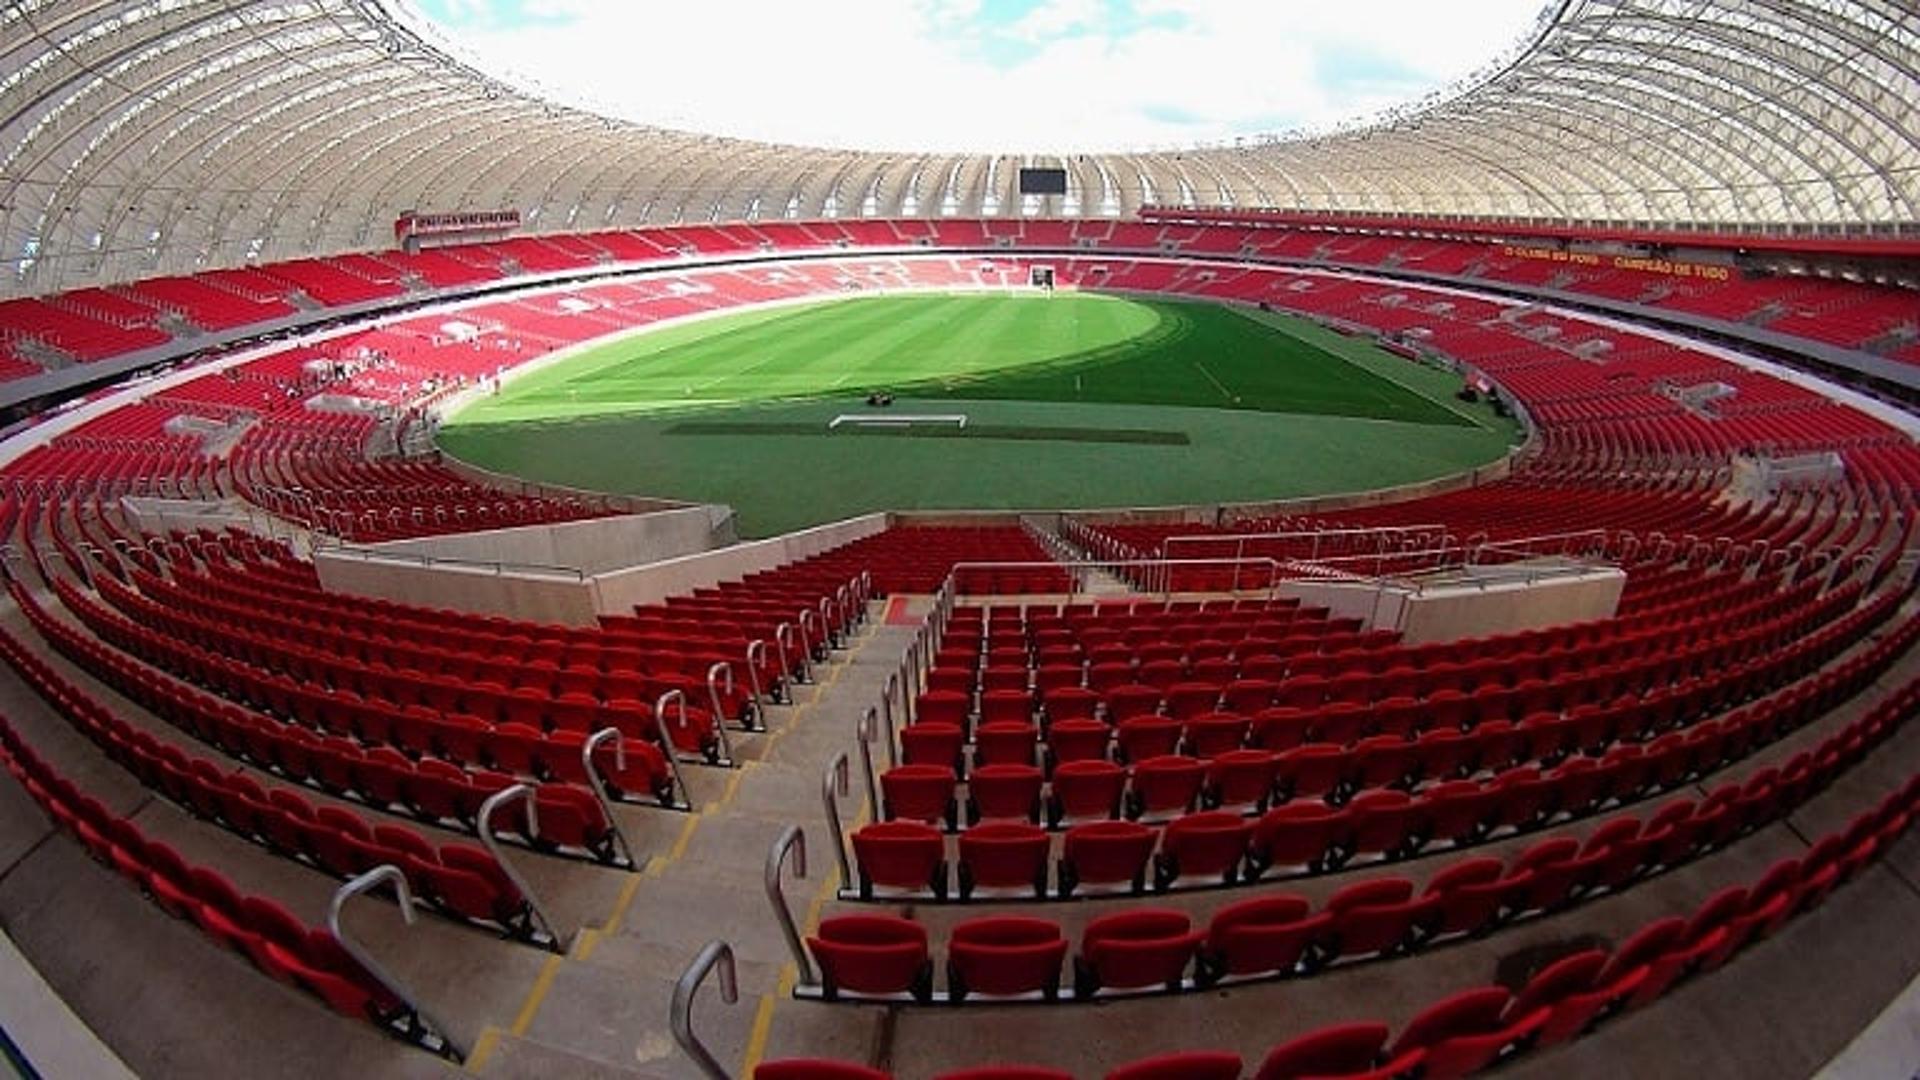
point(602, 1009)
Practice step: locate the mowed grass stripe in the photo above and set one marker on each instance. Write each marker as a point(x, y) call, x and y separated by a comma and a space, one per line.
point(1068, 347)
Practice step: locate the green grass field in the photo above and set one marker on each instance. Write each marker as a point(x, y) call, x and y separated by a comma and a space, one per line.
point(1072, 400)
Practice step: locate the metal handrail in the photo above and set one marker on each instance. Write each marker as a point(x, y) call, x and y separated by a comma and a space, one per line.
point(382, 874)
point(666, 743)
point(719, 709)
point(757, 655)
point(598, 784)
point(793, 839)
point(836, 777)
point(886, 715)
point(783, 640)
point(680, 1012)
point(483, 828)
point(808, 639)
point(863, 732)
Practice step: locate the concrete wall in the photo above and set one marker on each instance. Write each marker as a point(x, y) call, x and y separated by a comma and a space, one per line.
point(1451, 612)
point(478, 588)
point(591, 546)
point(618, 592)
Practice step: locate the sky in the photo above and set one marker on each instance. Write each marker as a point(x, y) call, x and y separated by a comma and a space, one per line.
point(1015, 76)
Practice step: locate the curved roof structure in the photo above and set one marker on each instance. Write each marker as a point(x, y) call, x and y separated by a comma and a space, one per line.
point(144, 137)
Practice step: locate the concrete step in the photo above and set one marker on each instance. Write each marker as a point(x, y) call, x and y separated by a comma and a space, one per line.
point(513, 1057)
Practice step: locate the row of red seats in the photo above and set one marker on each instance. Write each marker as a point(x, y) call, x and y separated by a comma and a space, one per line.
point(1459, 1035)
point(568, 818)
point(1283, 935)
point(460, 881)
point(277, 942)
point(909, 856)
point(1588, 714)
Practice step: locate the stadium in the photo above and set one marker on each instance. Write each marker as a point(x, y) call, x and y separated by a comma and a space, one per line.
point(497, 587)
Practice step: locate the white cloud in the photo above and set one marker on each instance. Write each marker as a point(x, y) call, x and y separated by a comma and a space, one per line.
point(893, 75)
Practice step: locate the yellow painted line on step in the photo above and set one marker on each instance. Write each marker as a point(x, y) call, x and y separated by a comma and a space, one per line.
point(584, 943)
point(789, 975)
point(762, 1027)
point(541, 985)
point(483, 1049)
point(656, 866)
point(620, 905)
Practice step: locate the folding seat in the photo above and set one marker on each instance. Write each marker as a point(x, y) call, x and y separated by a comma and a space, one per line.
point(1580, 785)
point(900, 855)
point(1140, 737)
point(1070, 703)
point(1770, 902)
point(513, 748)
point(1265, 666)
point(1383, 761)
point(287, 822)
point(1009, 682)
point(1548, 737)
point(1247, 696)
point(941, 707)
point(1210, 844)
point(1383, 823)
point(266, 922)
point(1555, 874)
point(1134, 949)
point(1004, 791)
point(1131, 700)
point(1627, 969)
point(1341, 723)
point(815, 1069)
point(1240, 778)
point(931, 742)
point(1280, 728)
point(1211, 734)
point(500, 900)
point(168, 880)
point(1056, 675)
point(1006, 742)
point(919, 793)
point(873, 955)
point(1338, 1050)
point(1161, 674)
point(1465, 1033)
point(1005, 956)
point(1571, 974)
point(946, 678)
point(1305, 834)
point(1526, 797)
point(1617, 851)
point(1301, 691)
point(1165, 784)
point(1397, 716)
point(1187, 1065)
point(1443, 755)
point(1707, 940)
point(1186, 700)
point(1006, 706)
point(1313, 770)
point(1004, 855)
point(1106, 675)
point(1380, 916)
point(571, 817)
point(1474, 896)
point(1277, 934)
point(1077, 740)
point(1086, 788)
point(1106, 853)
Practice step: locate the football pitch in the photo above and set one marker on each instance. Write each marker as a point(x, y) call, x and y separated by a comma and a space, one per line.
point(1004, 401)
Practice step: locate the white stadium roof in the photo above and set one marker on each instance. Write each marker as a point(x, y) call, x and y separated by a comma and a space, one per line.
point(143, 137)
